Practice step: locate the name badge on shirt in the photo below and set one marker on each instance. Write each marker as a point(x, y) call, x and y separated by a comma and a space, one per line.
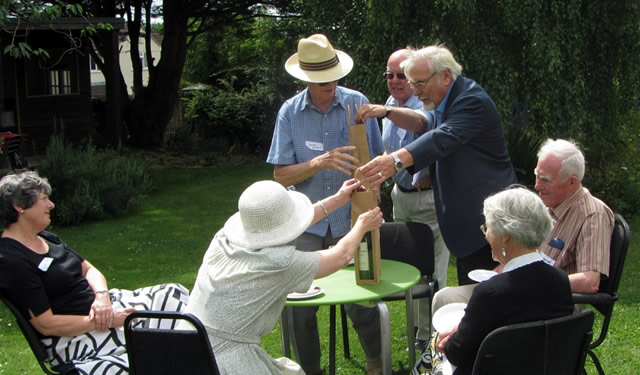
point(315, 146)
point(44, 265)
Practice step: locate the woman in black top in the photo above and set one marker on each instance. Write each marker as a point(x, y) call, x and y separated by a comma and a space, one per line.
point(527, 289)
point(63, 295)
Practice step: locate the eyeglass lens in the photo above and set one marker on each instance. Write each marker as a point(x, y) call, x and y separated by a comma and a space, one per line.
point(415, 84)
point(389, 75)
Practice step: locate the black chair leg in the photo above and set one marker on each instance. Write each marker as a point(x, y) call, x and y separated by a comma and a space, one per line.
point(596, 362)
point(345, 332)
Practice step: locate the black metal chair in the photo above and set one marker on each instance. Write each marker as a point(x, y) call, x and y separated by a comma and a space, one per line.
point(36, 345)
point(604, 300)
point(546, 347)
point(14, 150)
point(410, 243)
point(161, 351)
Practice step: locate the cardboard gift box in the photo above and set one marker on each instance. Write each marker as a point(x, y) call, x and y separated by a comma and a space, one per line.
point(367, 258)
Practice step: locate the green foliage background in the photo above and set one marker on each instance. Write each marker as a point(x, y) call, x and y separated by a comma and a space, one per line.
point(559, 69)
point(90, 184)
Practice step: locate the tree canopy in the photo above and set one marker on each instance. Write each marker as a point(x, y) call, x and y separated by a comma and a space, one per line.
point(560, 69)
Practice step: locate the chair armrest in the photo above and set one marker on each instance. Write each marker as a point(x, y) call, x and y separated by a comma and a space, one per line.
point(594, 298)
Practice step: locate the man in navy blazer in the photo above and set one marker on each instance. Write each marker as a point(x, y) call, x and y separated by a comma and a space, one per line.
point(463, 141)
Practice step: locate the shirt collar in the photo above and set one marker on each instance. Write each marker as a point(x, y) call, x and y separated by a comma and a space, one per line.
point(522, 261)
point(337, 100)
point(443, 103)
point(564, 207)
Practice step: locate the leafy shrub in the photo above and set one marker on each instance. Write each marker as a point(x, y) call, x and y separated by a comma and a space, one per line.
point(523, 146)
point(236, 115)
point(90, 184)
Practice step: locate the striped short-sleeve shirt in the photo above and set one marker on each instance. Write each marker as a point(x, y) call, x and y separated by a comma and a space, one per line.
point(581, 236)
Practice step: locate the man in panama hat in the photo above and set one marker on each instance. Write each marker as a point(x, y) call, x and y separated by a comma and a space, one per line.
point(310, 151)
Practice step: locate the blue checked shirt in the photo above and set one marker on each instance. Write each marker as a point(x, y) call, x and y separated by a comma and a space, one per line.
point(395, 138)
point(303, 132)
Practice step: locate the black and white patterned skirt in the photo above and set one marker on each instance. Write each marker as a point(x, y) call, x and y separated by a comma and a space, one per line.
point(104, 353)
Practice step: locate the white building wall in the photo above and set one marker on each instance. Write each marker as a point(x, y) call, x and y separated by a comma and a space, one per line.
point(126, 67)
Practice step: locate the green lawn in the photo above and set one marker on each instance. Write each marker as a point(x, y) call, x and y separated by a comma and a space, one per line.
point(165, 238)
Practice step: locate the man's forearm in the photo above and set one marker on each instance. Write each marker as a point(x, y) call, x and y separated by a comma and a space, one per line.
point(292, 174)
point(585, 282)
point(408, 119)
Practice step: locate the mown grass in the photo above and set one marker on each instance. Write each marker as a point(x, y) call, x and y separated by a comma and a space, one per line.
point(165, 238)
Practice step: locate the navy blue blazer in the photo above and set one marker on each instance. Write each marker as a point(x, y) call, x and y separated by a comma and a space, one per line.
point(469, 161)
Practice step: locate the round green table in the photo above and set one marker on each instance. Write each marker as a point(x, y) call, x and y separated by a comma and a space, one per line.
point(341, 288)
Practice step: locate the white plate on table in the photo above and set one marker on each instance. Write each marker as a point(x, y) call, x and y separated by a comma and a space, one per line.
point(448, 316)
point(481, 275)
point(312, 292)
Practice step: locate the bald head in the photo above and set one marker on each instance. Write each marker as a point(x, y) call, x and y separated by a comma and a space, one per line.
point(399, 56)
point(398, 87)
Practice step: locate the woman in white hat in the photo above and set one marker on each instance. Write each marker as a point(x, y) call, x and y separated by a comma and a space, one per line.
point(250, 267)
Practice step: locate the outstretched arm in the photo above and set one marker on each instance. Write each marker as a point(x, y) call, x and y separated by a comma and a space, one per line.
point(405, 118)
point(339, 256)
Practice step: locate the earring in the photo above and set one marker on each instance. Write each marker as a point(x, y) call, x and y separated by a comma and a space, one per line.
point(504, 253)
point(21, 211)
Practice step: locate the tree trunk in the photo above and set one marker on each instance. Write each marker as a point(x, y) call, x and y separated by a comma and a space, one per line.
point(151, 109)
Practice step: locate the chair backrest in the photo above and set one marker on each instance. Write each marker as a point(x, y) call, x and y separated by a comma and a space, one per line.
point(36, 345)
point(15, 151)
point(410, 243)
point(161, 351)
point(546, 347)
point(619, 248)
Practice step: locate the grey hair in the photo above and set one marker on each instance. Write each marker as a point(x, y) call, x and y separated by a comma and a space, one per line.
point(22, 190)
point(437, 57)
point(519, 213)
point(571, 158)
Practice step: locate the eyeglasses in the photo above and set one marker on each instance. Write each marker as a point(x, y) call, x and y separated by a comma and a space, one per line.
point(420, 84)
point(389, 75)
point(483, 228)
point(325, 83)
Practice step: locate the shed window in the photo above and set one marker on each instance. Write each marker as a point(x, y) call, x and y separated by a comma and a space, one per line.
point(59, 81)
point(55, 76)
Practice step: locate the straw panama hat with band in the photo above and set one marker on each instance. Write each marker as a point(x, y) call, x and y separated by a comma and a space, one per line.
point(317, 62)
point(269, 215)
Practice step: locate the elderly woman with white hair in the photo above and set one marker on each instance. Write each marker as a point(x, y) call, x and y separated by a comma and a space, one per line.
point(66, 298)
point(251, 265)
point(528, 289)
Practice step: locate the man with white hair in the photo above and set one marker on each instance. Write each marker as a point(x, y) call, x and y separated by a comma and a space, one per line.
point(581, 237)
point(412, 201)
point(464, 147)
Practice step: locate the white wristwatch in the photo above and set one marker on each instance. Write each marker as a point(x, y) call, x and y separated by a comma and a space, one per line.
point(397, 163)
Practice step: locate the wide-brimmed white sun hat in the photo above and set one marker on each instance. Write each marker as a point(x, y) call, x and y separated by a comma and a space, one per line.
point(268, 215)
point(317, 62)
